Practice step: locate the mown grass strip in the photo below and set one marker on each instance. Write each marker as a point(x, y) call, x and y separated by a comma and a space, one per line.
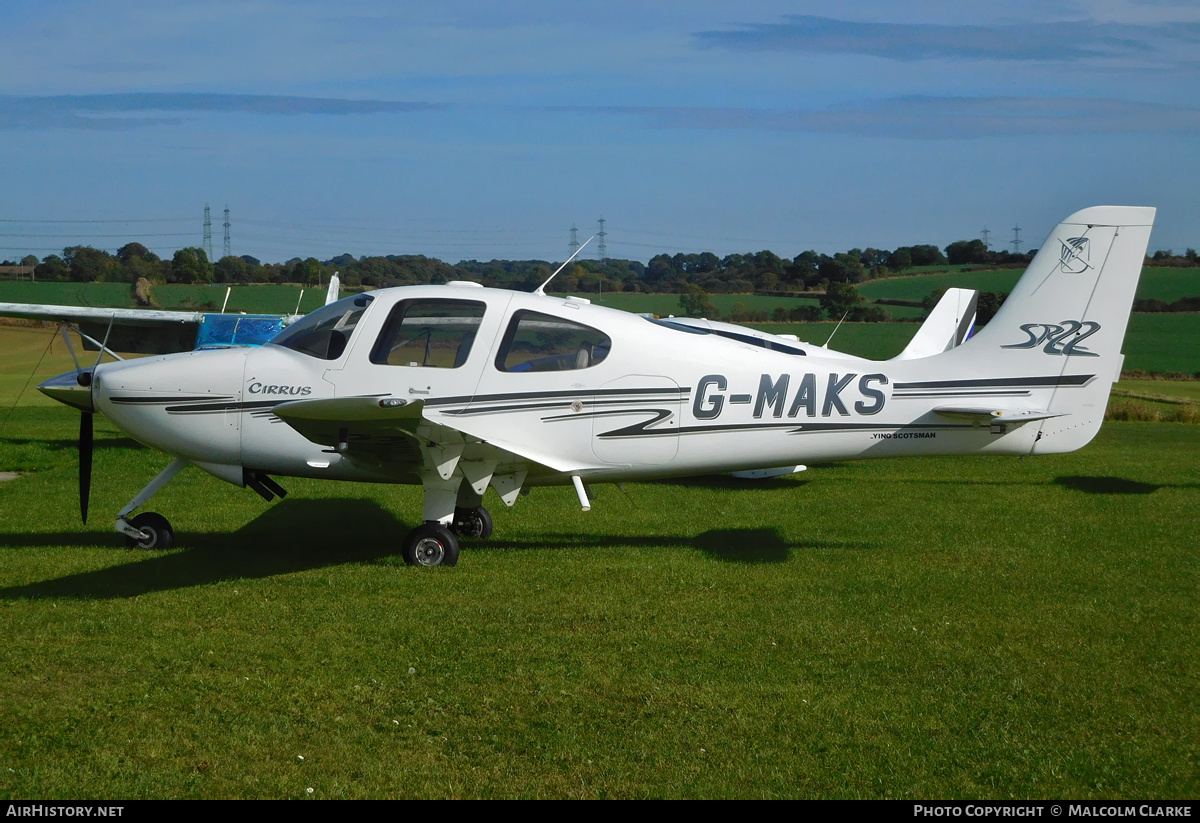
point(923, 627)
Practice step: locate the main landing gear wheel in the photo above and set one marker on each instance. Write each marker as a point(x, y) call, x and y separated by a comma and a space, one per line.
point(158, 531)
point(431, 544)
point(474, 523)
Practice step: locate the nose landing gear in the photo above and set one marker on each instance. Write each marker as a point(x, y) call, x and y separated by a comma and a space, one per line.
point(155, 529)
point(149, 530)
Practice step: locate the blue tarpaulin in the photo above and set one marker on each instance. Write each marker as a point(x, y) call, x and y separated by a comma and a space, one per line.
point(237, 329)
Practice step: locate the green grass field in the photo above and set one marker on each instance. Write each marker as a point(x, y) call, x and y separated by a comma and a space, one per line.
point(667, 304)
point(918, 628)
point(1153, 342)
point(1167, 284)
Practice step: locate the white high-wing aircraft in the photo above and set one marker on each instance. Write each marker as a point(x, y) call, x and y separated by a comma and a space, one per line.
point(460, 388)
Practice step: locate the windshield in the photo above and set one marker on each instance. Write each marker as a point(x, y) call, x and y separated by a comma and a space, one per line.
point(325, 333)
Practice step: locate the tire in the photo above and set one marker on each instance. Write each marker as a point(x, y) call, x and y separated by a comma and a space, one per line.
point(431, 544)
point(475, 524)
point(159, 531)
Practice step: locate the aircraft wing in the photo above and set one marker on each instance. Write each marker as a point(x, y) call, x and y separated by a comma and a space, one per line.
point(388, 429)
point(142, 331)
point(155, 331)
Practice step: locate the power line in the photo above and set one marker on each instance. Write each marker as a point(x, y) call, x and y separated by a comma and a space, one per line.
point(227, 247)
point(129, 220)
point(86, 236)
point(111, 249)
point(362, 227)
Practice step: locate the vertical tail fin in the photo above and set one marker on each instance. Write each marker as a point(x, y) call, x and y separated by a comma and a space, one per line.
point(1067, 316)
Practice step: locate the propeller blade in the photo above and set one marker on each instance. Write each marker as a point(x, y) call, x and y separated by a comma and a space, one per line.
point(85, 462)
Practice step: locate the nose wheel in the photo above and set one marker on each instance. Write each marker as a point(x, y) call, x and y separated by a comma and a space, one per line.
point(431, 544)
point(156, 532)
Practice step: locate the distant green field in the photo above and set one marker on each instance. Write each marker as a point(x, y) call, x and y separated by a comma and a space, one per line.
point(1162, 283)
point(877, 341)
point(1163, 342)
point(1154, 342)
point(1169, 284)
point(66, 294)
point(1169, 388)
point(666, 304)
point(921, 286)
point(249, 299)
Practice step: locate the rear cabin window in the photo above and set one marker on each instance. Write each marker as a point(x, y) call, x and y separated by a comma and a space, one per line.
point(761, 342)
point(434, 334)
point(540, 342)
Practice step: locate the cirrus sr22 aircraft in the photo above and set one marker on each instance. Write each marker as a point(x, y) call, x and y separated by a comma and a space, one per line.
point(460, 388)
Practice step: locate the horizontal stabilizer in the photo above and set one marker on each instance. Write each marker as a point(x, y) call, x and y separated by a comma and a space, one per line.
point(948, 325)
point(985, 415)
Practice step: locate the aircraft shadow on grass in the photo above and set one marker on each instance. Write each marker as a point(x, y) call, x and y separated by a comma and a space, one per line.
point(301, 535)
point(761, 545)
point(1111, 485)
point(727, 482)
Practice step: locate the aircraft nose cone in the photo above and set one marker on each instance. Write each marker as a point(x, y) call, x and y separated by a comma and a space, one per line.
point(74, 388)
point(185, 404)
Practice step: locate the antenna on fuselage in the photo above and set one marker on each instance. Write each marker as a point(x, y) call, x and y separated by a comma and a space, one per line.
point(835, 328)
point(541, 289)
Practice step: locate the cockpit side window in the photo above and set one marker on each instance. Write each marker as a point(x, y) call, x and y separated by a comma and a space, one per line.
point(429, 333)
point(325, 333)
point(540, 342)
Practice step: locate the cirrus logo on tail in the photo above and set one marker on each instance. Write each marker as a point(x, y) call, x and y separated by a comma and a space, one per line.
point(1074, 254)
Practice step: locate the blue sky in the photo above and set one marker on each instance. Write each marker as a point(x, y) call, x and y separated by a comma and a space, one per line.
point(486, 129)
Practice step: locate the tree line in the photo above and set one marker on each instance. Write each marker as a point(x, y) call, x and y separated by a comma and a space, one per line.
point(693, 276)
point(750, 273)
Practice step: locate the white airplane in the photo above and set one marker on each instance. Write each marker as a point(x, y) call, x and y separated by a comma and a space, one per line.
point(460, 388)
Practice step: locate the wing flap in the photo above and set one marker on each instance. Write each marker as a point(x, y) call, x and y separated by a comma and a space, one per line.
point(993, 415)
point(326, 421)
